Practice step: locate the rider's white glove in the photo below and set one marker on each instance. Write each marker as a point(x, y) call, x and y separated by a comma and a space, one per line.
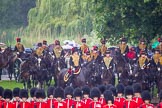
point(18, 53)
point(123, 54)
point(158, 69)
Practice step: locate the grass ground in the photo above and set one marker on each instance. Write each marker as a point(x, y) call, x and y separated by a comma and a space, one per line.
point(10, 84)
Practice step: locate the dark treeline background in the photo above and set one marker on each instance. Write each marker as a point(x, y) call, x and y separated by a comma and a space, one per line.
point(50, 19)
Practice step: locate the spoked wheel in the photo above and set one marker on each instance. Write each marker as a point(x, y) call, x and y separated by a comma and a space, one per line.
point(17, 63)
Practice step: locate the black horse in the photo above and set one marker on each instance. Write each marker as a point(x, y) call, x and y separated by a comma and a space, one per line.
point(86, 76)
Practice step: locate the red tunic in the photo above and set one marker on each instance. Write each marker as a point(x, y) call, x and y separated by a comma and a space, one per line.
point(95, 105)
point(41, 105)
point(32, 103)
point(69, 102)
point(138, 100)
point(147, 105)
point(102, 101)
point(87, 102)
point(16, 103)
point(119, 102)
point(59, 104)
point(130, 104)
point(9, 104)
point(131, 55)
point(50, 103)
point(24, 105)
point(110, 106)
point(159, 105)
point(78, 104)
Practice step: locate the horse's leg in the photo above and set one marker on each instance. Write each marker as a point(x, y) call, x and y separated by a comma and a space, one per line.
point(118, 77)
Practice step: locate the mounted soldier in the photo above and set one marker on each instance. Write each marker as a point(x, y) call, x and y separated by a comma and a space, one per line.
point(19, 48)
point(45, 45)
point(156, 56)
point(123, 46)
point(83, 46)
point(131, 55)
point(103, 47)
point(58, 50)
point(95, 55)
point(142, 46)
point(143, 60)
point(86, 57)
point(39, 51)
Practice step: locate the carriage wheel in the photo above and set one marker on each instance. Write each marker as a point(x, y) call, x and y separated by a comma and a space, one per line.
point(17, 69)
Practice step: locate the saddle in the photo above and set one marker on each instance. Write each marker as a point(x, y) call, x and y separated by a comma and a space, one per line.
point(69, 73)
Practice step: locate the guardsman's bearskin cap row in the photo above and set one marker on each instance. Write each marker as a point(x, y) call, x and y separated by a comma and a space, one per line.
point(59, 92)
point(86, 90)
point(120, 88)
point(7, 94)
point(50, 91)
point(1, 91)
point(108, 95)
point(18, 39)
point(32, 91)
point(137, 88)
point(23, 93)
point(69, 91)
point(102, 88)
point(95, 92)
point(146, 95)
point(77, 92)
point(40, 93)
point(16, 92)
point(128, 90)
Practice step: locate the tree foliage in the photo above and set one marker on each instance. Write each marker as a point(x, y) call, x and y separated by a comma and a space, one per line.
point(131, 18)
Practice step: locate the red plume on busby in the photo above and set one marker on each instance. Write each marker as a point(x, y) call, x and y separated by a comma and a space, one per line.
point(7, 94)
point(1, 91)
point(74, 49)
point(32, 91)
point(59, 92)
point(113, 89)
point(120, 88)
point(128, 90)
point(95, 92)
point(18, 39)
point(83, 40)
point(86, 90)
point(108, 95)
point(23, 93)
point(69, 91)
point(146, 95)
point(57, 42)
point(50, 91)
point(77, 92)
point(16, 92)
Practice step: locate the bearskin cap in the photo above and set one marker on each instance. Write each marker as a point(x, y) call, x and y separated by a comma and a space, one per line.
point(57, 42)
point(95, 92)
point(95, 48)
point(40, 93)
point(146, 95)
point(23, 93)
point(128, 90)
point(1, 91)
point(69, 91)
point(137, 88)
point(18, 39)
point(160, 95)
point(50, 91)
point(32, 91)
point(44, 42)
point(108, 95)
point(39, 44)
point(83, 40)
point(59, 92)
point(77, 92)
point(113, 89)
point(16, 92)
point(86, 90)
point(120, 88)
point(102, 88)
point(7, 94)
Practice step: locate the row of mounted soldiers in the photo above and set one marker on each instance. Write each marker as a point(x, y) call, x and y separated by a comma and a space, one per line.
point(84, 54)
point(85, 97)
